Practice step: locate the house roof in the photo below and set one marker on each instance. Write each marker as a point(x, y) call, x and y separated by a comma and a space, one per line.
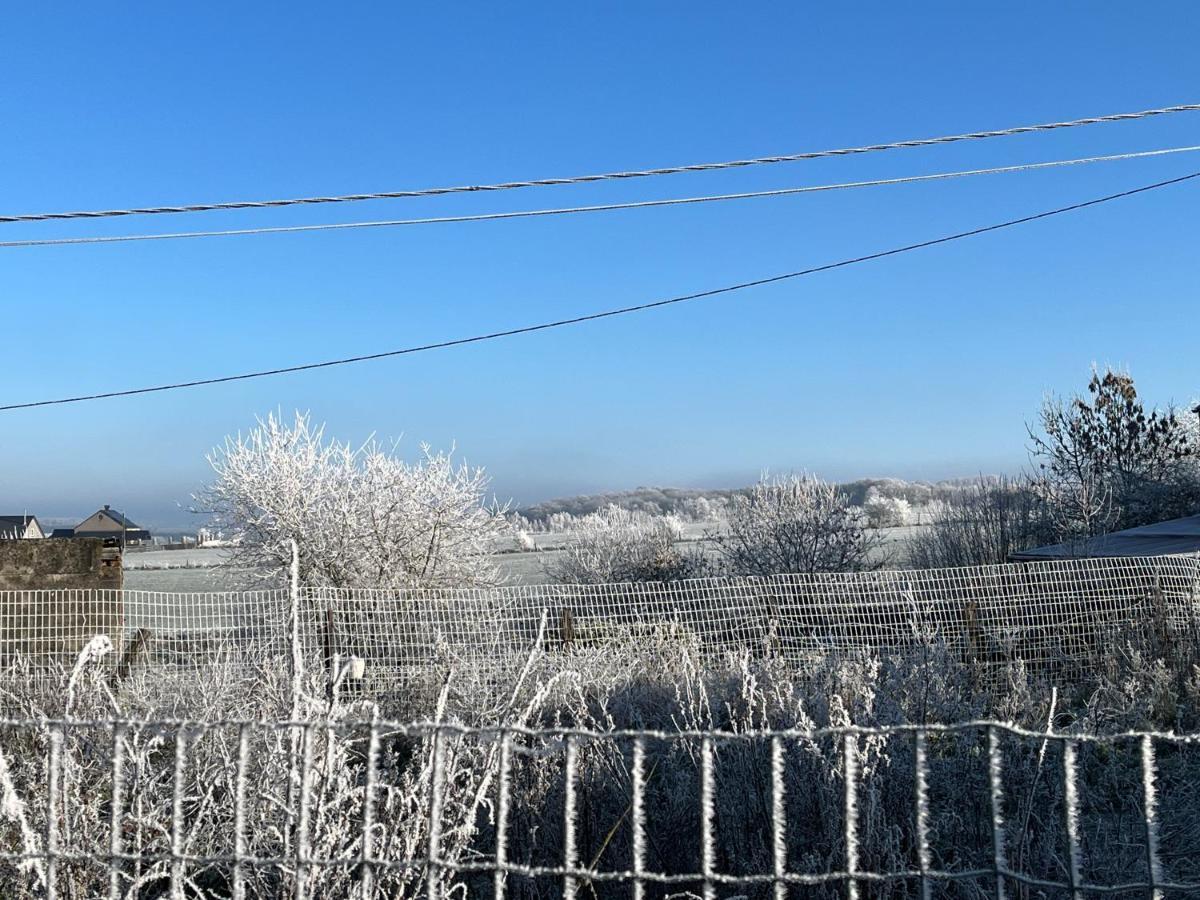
point(16, 524)
point(1158, 539)
point(119, 517)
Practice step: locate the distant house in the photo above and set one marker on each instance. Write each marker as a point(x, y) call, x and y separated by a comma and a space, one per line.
point(108, 523)
point(21, 527)
point(1175, 536)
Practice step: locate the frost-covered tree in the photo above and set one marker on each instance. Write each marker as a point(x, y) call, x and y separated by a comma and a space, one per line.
point(792, 525)
point(559, 522)
point(362, 516)
point(614, 545)
point(982, 525)
point(886, 512)
point(1104, 460)
point(703, 509)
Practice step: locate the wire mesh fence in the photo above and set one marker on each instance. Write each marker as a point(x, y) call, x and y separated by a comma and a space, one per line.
point(338, 808)
point(1046, 613)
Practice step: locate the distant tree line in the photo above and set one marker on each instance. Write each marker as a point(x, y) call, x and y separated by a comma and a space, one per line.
point(698, 505)
point(684, 503)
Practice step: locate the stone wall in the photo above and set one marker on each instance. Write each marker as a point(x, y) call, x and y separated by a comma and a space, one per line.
point(56, 594)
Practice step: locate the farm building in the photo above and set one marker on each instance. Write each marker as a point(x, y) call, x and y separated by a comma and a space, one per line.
point(108, 523)
point(22, 527)
point(1175, 536)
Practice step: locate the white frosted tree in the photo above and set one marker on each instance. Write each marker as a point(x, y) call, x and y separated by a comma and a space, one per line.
point(886, 512)
point(560, 522)
point(361, 515)
point(797, 524)
point(614, 545)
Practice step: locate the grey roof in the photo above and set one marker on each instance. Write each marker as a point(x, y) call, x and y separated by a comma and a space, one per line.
point(118, 517)
point(1159, 539)
point(10, 524)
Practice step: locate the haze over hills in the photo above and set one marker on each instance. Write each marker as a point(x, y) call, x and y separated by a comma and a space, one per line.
point(667, 500)
point(172, 519)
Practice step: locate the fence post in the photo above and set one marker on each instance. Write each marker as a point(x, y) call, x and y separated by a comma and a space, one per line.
point(708, 814)
point(297, 671)
point(330, 655)
point(850, 811)
point(1150, 814)
point(996, 807)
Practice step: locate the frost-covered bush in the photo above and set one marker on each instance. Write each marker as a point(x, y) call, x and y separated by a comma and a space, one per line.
point(886, 512)
point(360, 515)
point(797, 524)
point(615, 545)
point(982, 525)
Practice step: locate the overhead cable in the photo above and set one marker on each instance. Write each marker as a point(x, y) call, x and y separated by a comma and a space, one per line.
point(591, 317)
point(606, 207)
point(609, 176)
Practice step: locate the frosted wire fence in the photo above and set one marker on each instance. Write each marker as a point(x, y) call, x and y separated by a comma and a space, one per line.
point(1047, 613)
point(229, 811)
point(183, 629)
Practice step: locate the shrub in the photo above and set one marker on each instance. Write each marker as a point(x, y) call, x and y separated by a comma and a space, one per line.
point(617, 545)
point(797, 524)
point(981, 526)
point(886, 512)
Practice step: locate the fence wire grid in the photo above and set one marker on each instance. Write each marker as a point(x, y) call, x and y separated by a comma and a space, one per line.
point(86, 815)
point(1046, 613)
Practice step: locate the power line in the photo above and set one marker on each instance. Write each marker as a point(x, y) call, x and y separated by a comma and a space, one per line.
point(607, 207)
point(609, 176)
point(591, 317)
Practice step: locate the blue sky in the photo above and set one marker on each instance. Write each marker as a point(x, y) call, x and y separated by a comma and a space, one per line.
point(926, 365)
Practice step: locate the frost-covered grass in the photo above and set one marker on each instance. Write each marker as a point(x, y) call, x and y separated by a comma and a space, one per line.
point(659, 684)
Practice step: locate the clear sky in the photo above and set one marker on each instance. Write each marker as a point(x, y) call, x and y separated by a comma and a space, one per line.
point(925, 365)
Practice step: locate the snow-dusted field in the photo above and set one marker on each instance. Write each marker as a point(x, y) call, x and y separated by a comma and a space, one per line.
point(162, 559)
point(208, 569)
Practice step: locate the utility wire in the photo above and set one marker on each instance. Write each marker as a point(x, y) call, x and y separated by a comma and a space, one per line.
point(607, 207)
point(591, 317)
point(610, 176)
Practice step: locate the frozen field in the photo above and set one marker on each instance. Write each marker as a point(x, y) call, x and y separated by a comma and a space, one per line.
point(208, 569)
point(159, 559)
point(207, 578)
